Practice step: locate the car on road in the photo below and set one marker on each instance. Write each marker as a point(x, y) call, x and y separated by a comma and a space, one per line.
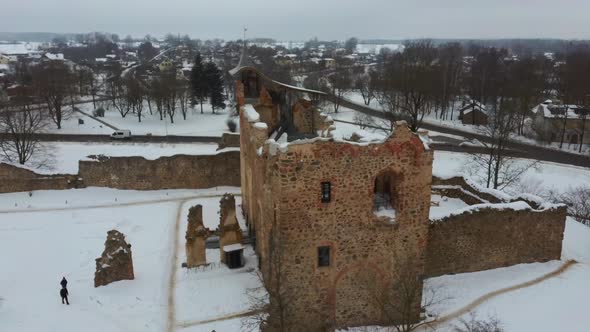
point(121, 135)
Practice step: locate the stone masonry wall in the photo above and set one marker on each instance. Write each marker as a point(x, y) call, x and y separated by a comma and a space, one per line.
point(368, 256)
point(492, 238)
point(229, 140)
point(307, 119)
point(176, 172)
point(460, 182)
point(15, 179)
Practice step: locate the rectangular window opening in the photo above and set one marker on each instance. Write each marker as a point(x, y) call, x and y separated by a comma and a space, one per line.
point(323, 256)
point(326, 192)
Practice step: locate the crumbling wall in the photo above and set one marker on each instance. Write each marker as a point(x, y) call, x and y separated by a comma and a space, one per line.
point(15, 179)
point(268, 110)
point(458, 182)
point(490, 238)
point(176, 172)
point(229, 140)
point(367, 255)
point(196, 236)
point(229, 229)
point(115, 263)
point(307, 119)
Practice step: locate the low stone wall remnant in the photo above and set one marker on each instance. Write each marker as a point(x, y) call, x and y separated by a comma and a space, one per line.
point(490, 238)
point(115, 263)
point(15, 179)
point(176, 172)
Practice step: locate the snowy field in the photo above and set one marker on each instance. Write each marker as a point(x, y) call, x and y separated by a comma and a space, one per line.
point(19, 48)
point(60, 233)
point(196, 124)
point(70, 125)
point(67, 230)
point(541, 178)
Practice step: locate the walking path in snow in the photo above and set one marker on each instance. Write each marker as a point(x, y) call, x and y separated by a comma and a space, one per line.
point(100, 206)
point(218, 319)
point(171, 311)
point(429, 326)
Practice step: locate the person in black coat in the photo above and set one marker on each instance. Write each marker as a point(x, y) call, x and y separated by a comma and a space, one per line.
point(64, 283)
point(64, 296)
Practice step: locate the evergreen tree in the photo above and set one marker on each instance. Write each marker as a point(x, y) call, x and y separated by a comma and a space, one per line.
point(199, 82)
point(215, 86)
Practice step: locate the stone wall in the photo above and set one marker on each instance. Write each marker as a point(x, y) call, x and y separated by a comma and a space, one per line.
point(176, 172)
point(281, 190)
point(229, 140)
point(491, 238)
point(452, 187)
point(15, 179)
point(307, 119)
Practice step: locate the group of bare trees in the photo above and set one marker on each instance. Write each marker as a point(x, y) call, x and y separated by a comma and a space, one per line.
point(20, 122)
point(54, 83)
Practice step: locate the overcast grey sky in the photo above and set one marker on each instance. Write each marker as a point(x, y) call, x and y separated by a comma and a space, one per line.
point(303, 19)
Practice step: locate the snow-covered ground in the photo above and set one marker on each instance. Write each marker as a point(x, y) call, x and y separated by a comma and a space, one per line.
point(536, 180)
point(19, 48)
point(70, 125)
point(557, 304)
point(442, 205)
point(196, 124)
point(214, 290)
point(41, 246)
point(59, 233)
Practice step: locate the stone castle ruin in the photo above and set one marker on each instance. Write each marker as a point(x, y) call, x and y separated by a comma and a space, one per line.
point(229, 231)
point(348, 222)
point(196, 237)
point(115, 263)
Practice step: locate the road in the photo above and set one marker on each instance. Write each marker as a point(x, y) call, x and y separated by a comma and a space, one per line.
point(517, 149)
point(521, 150)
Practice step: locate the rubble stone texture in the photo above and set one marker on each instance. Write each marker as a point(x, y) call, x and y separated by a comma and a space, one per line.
point(229, 229)
point(370, 257)
point(307, 119)
point(196, 236)
point(115, 263)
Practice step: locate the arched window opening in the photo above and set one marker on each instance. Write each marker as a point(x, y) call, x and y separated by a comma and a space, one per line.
point(385, 195)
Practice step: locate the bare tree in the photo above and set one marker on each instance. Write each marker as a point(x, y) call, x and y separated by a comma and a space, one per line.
point(408, 83)
point(403, 302)
point(366, 84)
point(169, 90)
point(496, 167)
point(19, 126)
point(184, 96)
point(572, 84)
point(337, 84)
point(119, 95)
point(527, 86)
point(473, 324)
point(578, 201)
point(451, 66)
point(134, 96)
point(53, 82)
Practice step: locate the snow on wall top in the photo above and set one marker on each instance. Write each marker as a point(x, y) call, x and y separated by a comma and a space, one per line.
point(365, 140)
point(514, 206)
point(446, 175)
point(250, 113)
